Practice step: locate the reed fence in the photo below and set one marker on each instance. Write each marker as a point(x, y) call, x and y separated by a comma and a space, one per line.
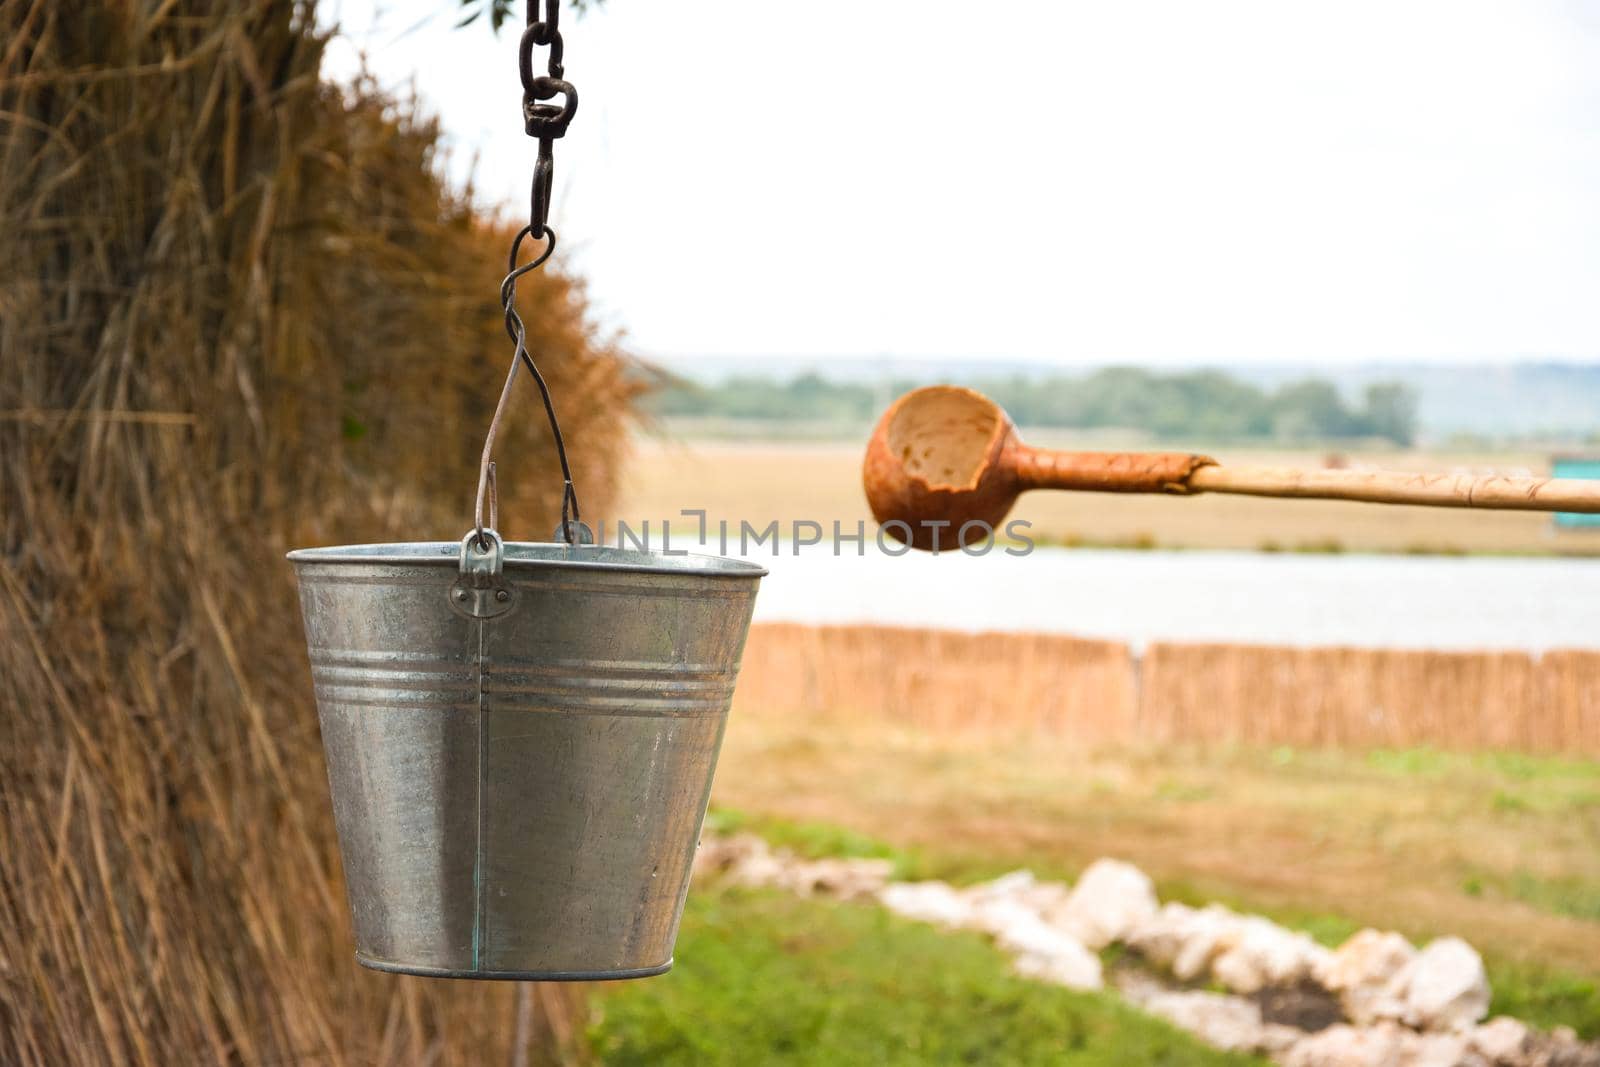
point(1098, 691)
point(941, 680)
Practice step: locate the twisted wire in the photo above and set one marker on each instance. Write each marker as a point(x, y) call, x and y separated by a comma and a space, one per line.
point(518, 332)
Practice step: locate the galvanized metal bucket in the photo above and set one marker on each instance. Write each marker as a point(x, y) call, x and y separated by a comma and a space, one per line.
point(520, 743)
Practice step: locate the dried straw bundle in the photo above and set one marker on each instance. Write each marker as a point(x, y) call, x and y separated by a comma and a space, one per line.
point(239, 311)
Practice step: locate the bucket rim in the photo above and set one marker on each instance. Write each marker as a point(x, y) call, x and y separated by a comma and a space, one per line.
point(533, 555)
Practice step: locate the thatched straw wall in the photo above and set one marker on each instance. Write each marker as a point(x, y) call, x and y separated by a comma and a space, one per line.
point(1093, 691)
point(239, 311)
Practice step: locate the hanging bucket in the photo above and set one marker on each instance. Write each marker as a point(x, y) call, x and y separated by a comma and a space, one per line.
point(520, 742)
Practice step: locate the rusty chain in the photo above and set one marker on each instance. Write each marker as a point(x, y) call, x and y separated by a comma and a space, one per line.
point(547, 122)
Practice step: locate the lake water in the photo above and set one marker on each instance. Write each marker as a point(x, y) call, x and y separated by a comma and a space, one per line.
point(1139, 597)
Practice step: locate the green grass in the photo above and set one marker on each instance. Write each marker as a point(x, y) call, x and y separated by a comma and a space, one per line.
point(1558, 896)
point(1562, 896)
point(766, 978)
point(1517, 766)
point(1544, 998)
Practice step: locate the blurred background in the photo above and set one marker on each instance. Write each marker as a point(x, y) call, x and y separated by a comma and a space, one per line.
point(248, 267)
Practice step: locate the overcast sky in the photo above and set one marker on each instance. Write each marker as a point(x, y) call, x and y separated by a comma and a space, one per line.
point(1168, 182)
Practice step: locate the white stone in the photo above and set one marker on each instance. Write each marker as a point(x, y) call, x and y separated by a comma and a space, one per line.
point(1229, 1023)
point(997, 916)
point(1137, 985)
point(718, 854)
point(1067, 964)
point(1444, 988)
point(1361, 973)
point(1160, 938)
point(1045, 897)
point(1025, 934)
point(742, 859)
point(1108, 902)
point(1257, 953)
point(1010, 885)
point(1022, 888)
point(757, 870)
point(1005, 910)
point(1560, 1048)
point(841, 879)
point(1501, 1040)
point(1440, 1050)
point(1205, 936)
point(931, 902)
point(1183, 939)
point(1383, 1045)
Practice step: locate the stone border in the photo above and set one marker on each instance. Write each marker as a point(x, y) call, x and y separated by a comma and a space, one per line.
point(1375, 1001)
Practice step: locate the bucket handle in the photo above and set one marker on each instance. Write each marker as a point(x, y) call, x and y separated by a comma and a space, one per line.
point(520, 357)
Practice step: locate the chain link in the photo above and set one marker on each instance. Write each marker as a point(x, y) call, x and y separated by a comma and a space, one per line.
point(541, 119)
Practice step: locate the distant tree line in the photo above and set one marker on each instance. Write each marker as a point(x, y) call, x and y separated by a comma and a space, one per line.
point(1192, 404)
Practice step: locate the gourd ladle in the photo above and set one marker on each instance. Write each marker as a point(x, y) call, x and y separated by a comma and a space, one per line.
point(945, 465)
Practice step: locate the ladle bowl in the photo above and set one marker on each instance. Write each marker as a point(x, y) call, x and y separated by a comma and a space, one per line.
point(945, 465)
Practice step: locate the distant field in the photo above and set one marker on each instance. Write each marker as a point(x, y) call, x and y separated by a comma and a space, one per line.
point(818, 480)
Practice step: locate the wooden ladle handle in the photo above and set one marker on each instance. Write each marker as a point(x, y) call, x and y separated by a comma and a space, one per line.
point(1183, 473)
point(1403, 487)
point(1105, 472)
